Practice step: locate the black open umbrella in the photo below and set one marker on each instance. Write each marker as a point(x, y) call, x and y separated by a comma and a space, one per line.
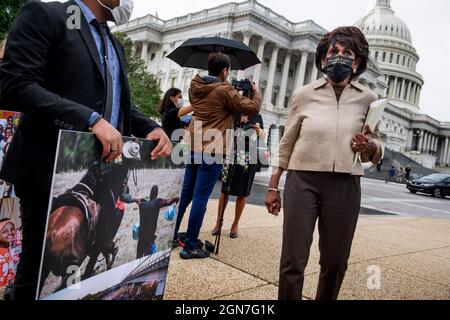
point(194, 53)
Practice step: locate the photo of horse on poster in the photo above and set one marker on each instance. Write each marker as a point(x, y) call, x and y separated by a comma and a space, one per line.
point(109, 218)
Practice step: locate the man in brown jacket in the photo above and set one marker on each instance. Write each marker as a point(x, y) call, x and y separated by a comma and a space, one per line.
point(214, 102)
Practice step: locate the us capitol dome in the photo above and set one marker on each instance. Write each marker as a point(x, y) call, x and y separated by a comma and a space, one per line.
point(392, 49)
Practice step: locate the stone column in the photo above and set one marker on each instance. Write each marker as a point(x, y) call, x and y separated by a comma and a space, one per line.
point(436, 144)
point(427, 142)
point(260, 54)
point(167, 81)
point(144, 53)
point(411, 95)
point(402, 92)
point(430, 143)
point(394, 91)
point(441, 149)
point(385, 92)
point(409, 142)
point(133, 49)
point(419, 146)
point(314, 72)
point(284, 80)
point(446, 153)
point(447, 161)
point(272, 69)
point(433, 143)
point(301, 71)
point(408, 93)
point(247, 36)
point(424, 142)
point(180, 80)
point(418, 95)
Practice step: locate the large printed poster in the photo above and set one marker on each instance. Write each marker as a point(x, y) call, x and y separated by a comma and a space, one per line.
point(110, 225)
point(10, 223)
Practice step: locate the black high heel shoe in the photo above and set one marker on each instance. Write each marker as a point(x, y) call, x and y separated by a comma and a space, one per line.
point(233, 235)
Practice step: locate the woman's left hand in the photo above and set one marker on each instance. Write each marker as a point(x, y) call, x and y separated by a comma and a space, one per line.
point(362, 142)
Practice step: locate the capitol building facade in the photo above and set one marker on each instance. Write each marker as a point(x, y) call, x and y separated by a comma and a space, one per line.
point(287, 52)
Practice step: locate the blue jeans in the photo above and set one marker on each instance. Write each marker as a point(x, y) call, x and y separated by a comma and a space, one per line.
point(198, 184)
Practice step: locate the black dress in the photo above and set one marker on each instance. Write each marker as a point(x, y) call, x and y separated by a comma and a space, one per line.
point(241, 185)
point(244, 172)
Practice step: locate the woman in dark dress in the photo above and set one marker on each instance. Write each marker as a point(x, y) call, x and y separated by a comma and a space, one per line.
point(243, 172)
point(172, 109)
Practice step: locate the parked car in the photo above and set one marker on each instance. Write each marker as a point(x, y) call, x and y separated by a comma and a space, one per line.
point(414, 176)
point(438, 185)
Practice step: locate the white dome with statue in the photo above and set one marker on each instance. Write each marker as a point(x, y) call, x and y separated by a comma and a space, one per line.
point(382, 21)
point(392, 49)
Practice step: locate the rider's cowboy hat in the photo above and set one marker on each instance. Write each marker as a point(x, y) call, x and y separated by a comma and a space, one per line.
point(131, 150)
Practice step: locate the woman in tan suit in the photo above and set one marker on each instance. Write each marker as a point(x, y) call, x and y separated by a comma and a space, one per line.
point(322, 134)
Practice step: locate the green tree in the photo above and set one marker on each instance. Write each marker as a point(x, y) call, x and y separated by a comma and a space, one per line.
point(8, 11)
point(145, 90)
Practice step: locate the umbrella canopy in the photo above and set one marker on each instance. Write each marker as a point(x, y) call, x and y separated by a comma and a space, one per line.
point(194, 53)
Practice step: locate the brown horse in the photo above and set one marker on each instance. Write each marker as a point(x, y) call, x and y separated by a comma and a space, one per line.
point(67, 245)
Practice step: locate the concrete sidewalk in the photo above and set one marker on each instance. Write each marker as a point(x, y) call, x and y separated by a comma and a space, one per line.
point(412, 255)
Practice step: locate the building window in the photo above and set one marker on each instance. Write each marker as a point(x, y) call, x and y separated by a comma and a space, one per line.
point(404, 60)
point(274, 98)
point(391, 57)
point(267, 62)
point(286, 101)
point(376, 55)
point(152, 56)
point(291, 73)
point(384, 57)
point(409, 62)
point(398, 59)
point(279, 67)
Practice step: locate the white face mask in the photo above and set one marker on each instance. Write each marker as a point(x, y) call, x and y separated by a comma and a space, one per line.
point(121, 13)
point(179, 103)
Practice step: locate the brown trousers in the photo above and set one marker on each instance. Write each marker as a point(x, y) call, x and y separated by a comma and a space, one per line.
point(334, 199)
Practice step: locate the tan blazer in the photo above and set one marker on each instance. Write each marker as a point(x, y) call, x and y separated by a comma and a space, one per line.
point(319, 130)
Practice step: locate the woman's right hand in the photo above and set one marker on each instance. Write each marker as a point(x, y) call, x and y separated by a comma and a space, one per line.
point(273, 202)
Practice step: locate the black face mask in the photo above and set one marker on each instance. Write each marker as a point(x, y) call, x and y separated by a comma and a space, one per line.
point(338, 68)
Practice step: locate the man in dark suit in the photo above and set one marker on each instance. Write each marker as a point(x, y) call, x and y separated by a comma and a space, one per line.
point(64, 73)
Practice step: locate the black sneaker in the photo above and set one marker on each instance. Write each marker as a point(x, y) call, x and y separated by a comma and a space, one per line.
point(194, 254)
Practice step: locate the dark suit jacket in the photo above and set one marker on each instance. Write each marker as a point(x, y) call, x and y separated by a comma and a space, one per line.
point(52, 74)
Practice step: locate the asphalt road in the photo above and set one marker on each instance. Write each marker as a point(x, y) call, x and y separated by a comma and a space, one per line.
point(377, 198)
